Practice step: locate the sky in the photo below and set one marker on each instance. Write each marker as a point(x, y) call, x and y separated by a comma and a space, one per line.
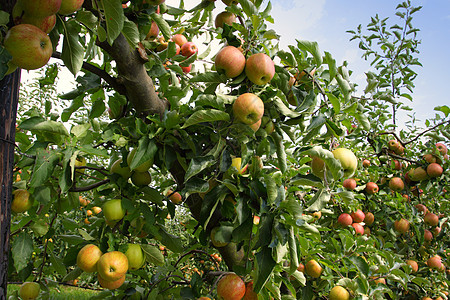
point(326, 22)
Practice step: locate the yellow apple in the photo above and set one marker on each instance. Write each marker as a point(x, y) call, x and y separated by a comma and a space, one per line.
point(88, 257)
point(112, 265)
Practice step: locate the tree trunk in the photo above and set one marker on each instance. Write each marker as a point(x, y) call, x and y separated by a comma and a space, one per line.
point(9, 98)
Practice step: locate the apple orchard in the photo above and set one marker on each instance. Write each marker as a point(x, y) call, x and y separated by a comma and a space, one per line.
point(195, 159)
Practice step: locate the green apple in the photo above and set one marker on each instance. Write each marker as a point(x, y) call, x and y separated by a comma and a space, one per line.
point(348, 160)
point(113, 211)
point(339, 293)
point(313, 269)
point(70, 6)
point(21, 201)
point(112, 265)
point(260, 68)
point(40, 8)
point(29, 46)
point(29, 290)
point(88, 257)
point(317, 166)
point(248, 108)
point(110, 285)
point(116, 168)
point(230, 61)
point(135, 255)
point(224, 17)
point(214, 241)
point(142, 167)
point(141, 178)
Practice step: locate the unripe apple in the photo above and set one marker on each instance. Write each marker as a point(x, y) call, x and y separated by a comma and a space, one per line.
point(29, 290)
point(427, 235)
point(29, 46)
point(141, 178)
point(371, 188)
point(345, 219)
point(313, 269)
point(431, 219)
point(349, 184)
point(248, 108)
point(188, 49)
point(396, 184)
point(135, 256)
point(88, 257)
point(369, 219)
point(21, 201)
point(214, 241)
point(113, 211)
point(434, 170)
point(393, 144)
point(260, 68)
point(441, 148)
point(230, 61)
point(358, 216)
point(418, 174)
point(40, 8)
point(116, 168)
point(70, 6)
point(339, 293)
point(413, 264)
point(430, 158)
point(179, 39)
point(401, 226)
point(359, 229)
point(367, 231)
point(317, 166)
point(231, 287)
point(145, 166)
point(225, 17)
point(348, 160)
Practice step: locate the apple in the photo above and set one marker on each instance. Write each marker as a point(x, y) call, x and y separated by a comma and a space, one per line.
point(153, 32)
point(430, 158)
point(399, 150)
point(163, 44)
point(301, 268)
point(188, 49)
point(80, 161)
point(96, 210)
point(141, 178)
point(187, 69)
point(349, 184)
point(380, 280)
point(421, 208)
point(366, 163)
point(110, 285)
point(413, 264)
point(135, 256)
point(369, 219)
point(339, 293)
point(367, 231)
point(29, 290)
point(88, 257)
point(174, 197)
point(318, 167)
point(396, 165)
point(359, 229)
point(393, 144)
point(116, 168)
point(236, 162)
point(418, 174)
point(113, 211)
point(230, 2)
point(70, 6)
point(431, 219)
point(256, 125)
point(143, 167)
point(434, 170)
point(214, 241)
point(248, 108)
point(231, 287)
point(249, 293)
point(435, 262)
point(313, 269)
point(230, 60)
point(345, 219)
point(401, 226)
point(21, 201)
point(45, 24)
point(256, 220)
point(396, 184)
point(112, 265)
point(427, 235)
point(29, 46)
point(260, 68)
point(436, 231)
point(371, 188)
point(348, 160)
point(225, 17)
point(179, 39)
point(89, 213)
point(441, 148)
point(40, 8)
point(358, 216)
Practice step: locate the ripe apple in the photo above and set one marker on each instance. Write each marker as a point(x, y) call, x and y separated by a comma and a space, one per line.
point(431, 219)
point(231, 287)
point(393, 144)
point(230, 61)
point(359, 229)
point(29, 290)
point(358, 216)
point(135, 256)
point(418, 174)
point(430, 158)
point(29, 46)
point(441, 148)
point(349, 184)
point(435, 262)
point(427, 235)
point(21, 201)
point(45, 24)
point(401, 226)
point(174, 197)
point(396, 184)
point(116, 168)
point(141, 178)
point(248, 108)
point(188, 49)
point(110, 285)
point(214, 241)
point(88, 257)
point(367, 231)
point(256, 125)
point(400, 150)
point(256, 220)
point(112, 265)
point(434, 170)
point(187, 69)
point(225, 17)
point(369, 219)
point(371, 188)
point(366, 163)
point(436, 231)
point(413, 264)
point(345, 219)
point(396, 165)
point(40, 8)
point(421, 208)
point(179, 39)
point(153, 32)
point(313, 269)
point(96, 210)
point(260, 68)
point(348, 160)
point(339, 293)
point(113, 211)
point(249, 293)
point(70, 6)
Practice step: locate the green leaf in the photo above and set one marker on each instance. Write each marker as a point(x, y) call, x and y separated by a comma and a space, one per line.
point(209, 77)
point(292, 251)
point(46, 162)
point(152, 195)
point(74, 274)
point(308, 179)
point(271, 187)
point(319, 201)
point(331, 65)
point(145, 152)
point(281, 153)
point(38, 124)
point(87, 18)
point(72, 51)
point(199, 164)
point(327, 156)
point(283, 109)
point(171, 241)
point(98, 104)
point(265, 266)
point(57, 264)
point(163, 26)
point(153, 255)
point(114, 17)
point(313, 48)
point(21, 250)
point(209, 115)
point(335, 102)
point(131, 33)
point(248, 7)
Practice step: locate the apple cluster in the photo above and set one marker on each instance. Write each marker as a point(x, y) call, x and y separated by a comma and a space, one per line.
point(182, 45)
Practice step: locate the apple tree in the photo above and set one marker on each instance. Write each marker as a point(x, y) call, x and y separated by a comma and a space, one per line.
point(196, 158)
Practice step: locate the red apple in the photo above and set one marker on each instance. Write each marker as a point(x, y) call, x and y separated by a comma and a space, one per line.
point(231, 287)
point(369, 219)
point(396, 184)
point(249, 293)
point(436, 231)
point(430, 158)
point(435, 262)
point(29, 46)
point(371, 188)
point(396, 164)
point(88, 257)
point(345, 219)
point(431, 219)
point(413, 264)
point(179, 39)
point(441, 148)
point(358, 216)
point(401, 226)
point(110, 285)
point(349, 184)
point(112, 265)
point(418, 174)
point(70, 6)
point(421, 208)
point(248, 108)
point(45, 24)
point(255, 126)
point(188, 49)
point(359, 229)
point(153, 32)
point(40, 8)
point(230, 61)
point(434, 170)
point(427, 235)
point(260, 68)
point(225, 17)
point(366, 163)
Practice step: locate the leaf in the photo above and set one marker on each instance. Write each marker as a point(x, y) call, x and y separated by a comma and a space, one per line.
point(265, 266)
point(74, 274)
point(114, 18)
point(319, 201)
point(248, 7)
point(327, 156)
point(46, 162)
point(331, 65)
point(313, 48)
point(153, 255)
point(163, 26)
point(271, 187)
point(21, 250)
point(72, 52)
point(308, 179)
point(131, 33)
point(38, 124)
point(171, 241)
point(58, 264)
point(209, 115)
point(198, 164)
point(87, 18)
point(281, 153)
point(283, 109)
point(209, 77)
point(335, 102)
point(152, 195)
point(145, 152)
point(292, 251)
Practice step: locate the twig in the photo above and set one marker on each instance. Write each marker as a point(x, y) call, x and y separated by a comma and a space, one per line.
point(422, 133)
point(89, 187)
point(39, 275)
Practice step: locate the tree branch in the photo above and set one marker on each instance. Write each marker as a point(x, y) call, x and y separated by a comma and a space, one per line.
point(89, 187)
point(429, 129)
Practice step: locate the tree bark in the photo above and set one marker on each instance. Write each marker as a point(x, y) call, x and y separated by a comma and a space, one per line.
point(9, 98)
